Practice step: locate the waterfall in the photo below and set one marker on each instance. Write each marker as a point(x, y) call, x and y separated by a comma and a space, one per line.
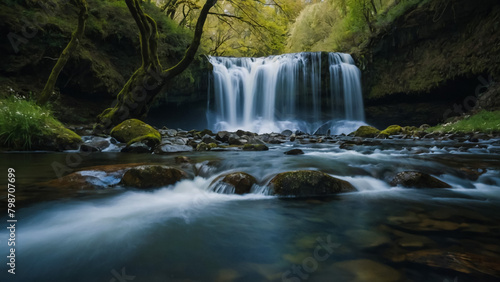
point(311, 92)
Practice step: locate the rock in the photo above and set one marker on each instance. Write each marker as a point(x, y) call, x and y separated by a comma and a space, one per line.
point(308, 183)
point(151, 176)
point(88, 148)
point(205, 147)
point(414, 179)
point(425, 126)
point(241, 182)
point(134, 130)
point(240, 133)
point(166, 149)
point(206, 132)
point(182, 160)
point(140, 147)
point(287, 133)
point(294, 152)
point(391, 130)
point(222, 136)
point(458, 261)
point(84, 180)
point(276, 141)
point(168, 132)
point(472, 173)
point(255, 147)
point(99, 143)
point(234, 141)
point(367, 270)
point(366, 131)
point(208, 139)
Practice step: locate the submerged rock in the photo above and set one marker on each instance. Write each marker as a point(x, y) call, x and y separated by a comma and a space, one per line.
point(458, 261)
point(308, 183)
point(151, 176)
point(242, 182)
point(366, 131)
point(167, 148)
point(134, 130)
point(182, 160)
point(294, 152)
point(415, 179)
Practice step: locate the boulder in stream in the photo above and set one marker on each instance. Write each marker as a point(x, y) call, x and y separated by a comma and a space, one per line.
point(134, 130)
point(415, 179)
point(151, 176)
point(241, 181)
point(294, 152)
point(308, 183)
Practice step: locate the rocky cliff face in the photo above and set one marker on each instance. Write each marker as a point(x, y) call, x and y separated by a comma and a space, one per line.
point(434, 62)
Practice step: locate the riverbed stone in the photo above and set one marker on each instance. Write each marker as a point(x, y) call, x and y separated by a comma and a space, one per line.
point(241, 181)
point(294, 152)
point(308, 183)
point(415, 179)
point(151, 176)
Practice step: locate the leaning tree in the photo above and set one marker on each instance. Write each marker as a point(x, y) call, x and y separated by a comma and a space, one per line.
point(76, 37)
point(150, 78)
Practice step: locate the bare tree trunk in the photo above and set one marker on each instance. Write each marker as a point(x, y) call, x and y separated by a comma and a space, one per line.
point(76, 37)
point(148, 81)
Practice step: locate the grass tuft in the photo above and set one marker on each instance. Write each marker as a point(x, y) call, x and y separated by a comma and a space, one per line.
point(484, 121)
point(22, 121)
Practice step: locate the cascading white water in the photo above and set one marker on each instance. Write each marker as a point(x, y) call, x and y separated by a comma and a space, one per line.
point(290, 91)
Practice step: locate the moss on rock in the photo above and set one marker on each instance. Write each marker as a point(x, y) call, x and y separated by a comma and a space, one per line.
point(308, 183)
point(366, 131)
point(134, 130)
point(392, 130)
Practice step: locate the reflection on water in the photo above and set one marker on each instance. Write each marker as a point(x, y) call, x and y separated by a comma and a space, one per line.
point(187, 233)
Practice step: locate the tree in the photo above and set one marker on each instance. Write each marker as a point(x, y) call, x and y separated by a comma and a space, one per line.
point(149, 79)
point(76, 37)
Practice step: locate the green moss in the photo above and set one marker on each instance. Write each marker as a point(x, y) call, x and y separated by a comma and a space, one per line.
point(134, 130)
point(366, 131)
point(391, 130)
point(484, 121)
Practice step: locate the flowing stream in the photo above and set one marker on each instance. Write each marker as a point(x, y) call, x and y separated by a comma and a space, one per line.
point(187, 232)
point(301, 91)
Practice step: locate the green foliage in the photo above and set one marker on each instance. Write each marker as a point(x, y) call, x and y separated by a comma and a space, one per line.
point(22, 121)
point(484, 121)
point(343, 25)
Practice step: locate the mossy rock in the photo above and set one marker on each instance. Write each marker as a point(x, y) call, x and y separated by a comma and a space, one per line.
point(255, 147)
point(308, 183)
point(366, 131)
point(392, 130)
point(134, 130)
point(64, 139)
point(242, 182)
point(151, 176)
point(415, 179)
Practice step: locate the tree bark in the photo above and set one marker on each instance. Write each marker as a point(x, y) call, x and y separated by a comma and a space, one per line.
point(76, 37)
point(148, 81)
